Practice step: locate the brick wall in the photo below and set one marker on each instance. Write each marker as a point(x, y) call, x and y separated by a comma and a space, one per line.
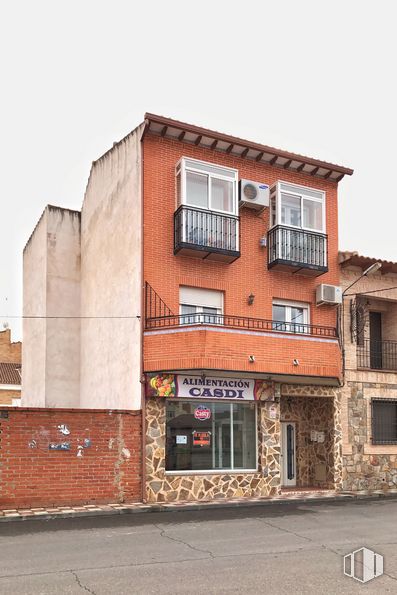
point(102, 462)
point(9, 352)
point(248, 274)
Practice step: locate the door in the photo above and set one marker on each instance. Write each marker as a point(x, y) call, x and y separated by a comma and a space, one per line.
point(288, 454)
point(375, 340)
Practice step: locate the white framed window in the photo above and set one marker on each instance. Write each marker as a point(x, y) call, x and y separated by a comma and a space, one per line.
point(198, 305)
point(225, 440)
point(291, 317)
point(298, 207)
point(207, 186)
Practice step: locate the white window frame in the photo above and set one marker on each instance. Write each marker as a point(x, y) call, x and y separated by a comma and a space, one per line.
point(182, 168)
point(200, 305)
point(230, 469)
point(289, 305)
point(300, 193)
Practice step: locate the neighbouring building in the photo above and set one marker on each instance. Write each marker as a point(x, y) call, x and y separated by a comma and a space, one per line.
point(10, 370)
point(370, 390)
point(199, 285)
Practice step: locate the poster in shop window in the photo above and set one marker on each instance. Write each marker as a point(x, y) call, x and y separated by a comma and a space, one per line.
point(208, 387)
point(201, 438)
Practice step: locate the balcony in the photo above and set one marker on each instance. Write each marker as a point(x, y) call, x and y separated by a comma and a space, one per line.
point(297, 251)
point(240, 322)
point(206, 234)
point(377, 355)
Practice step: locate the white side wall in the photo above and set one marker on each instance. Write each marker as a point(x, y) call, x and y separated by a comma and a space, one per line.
point(51, 288)
point(63, 304)
point(111, 279)
point(34, 304)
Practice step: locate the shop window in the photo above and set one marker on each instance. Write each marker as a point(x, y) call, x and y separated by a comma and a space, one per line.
point(199, 305)
point(208, 436)
point(207, 186)
point(384, 421)
point(290, 317)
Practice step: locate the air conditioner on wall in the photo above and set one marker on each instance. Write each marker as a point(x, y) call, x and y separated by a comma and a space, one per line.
point(253, 195)
point(328, 294)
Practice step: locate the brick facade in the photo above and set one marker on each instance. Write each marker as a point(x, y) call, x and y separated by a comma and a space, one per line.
point(248, 274)
point(102, 462)
point(9, 352)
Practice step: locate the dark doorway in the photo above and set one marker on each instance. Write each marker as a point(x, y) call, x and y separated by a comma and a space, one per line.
point(375, 340)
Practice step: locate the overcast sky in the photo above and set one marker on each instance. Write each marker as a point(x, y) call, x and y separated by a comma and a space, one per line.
point(317, 78)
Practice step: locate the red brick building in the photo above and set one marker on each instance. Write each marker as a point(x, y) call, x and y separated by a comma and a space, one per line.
point(10, 370)
point(203, 272)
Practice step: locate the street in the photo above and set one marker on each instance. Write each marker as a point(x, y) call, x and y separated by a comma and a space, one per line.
point(269, 549)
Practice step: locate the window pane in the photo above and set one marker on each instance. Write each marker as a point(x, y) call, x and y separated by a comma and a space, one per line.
point(196, 190)
point(212, 169)
point(297, 315)
point(211, 317)
point(205, 444)
point(313, 215)
point(221, 195)
point(290, 210)
point(302, 190)
point(186, 310)
point(244, 436)
point(298, 319)
point(384, 422)
point(279, 315)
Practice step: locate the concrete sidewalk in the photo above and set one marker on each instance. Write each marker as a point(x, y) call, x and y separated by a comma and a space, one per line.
point(139, 507)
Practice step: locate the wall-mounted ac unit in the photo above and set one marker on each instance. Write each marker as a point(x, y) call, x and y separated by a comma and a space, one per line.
point(253, 195)
point(328, 294)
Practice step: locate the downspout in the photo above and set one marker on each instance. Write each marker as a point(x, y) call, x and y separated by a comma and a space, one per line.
point(142, 320)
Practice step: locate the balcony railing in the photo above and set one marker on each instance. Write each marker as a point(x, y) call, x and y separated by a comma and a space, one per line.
point(295, 249)
point(239, 322)
point(206, 234)
point(377, 355)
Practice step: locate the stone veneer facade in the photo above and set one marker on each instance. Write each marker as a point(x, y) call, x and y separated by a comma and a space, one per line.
point(305, 404)
point(367, 467)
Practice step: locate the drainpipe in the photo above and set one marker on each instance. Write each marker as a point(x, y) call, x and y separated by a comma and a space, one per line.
point(142, 321)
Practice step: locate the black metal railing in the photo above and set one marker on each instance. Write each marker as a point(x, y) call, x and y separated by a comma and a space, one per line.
point(296, 246)
point(155, 307)
point(377, 355)
point(239, 322)
point(205, 230)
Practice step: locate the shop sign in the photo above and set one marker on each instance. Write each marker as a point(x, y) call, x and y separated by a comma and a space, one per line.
point(181, 439)
point(208, 387)
point(201, 438)
point(202, 413)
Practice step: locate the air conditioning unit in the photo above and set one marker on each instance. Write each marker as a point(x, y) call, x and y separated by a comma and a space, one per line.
point(253, 195)
point(328, 294)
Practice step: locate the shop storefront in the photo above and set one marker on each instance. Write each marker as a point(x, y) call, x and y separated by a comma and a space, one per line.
point(217, 437)
point(211, 437)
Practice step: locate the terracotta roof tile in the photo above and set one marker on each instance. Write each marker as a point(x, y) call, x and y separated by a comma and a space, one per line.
point(10, 373)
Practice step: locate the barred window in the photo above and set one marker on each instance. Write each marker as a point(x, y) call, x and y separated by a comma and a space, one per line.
point(384, 421)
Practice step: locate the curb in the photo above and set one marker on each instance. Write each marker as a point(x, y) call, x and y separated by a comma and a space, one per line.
point(159, 508)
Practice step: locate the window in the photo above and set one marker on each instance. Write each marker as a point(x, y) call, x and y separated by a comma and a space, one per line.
point(299, 207)
point(384, 421)
point(207, 186)
point(199, 305)
point(206, 436)
point(290, 317)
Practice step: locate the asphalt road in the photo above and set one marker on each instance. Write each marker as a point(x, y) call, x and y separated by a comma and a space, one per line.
point(290, 548)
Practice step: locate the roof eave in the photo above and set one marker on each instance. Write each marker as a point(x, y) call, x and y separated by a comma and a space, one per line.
point(237, 147)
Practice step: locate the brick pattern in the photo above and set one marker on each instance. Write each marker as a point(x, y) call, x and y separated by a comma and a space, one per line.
point(102, 465)
point(9, 352)
point(230, 351)
point(248, 274)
